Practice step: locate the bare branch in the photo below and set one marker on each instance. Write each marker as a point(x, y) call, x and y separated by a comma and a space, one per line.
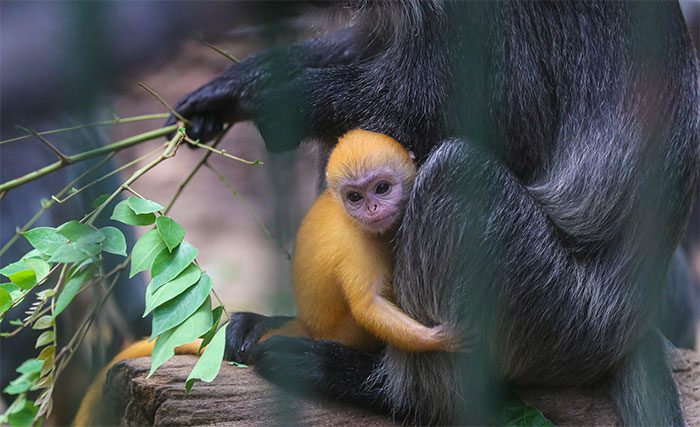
point(218, 50)
point(165, 104)
point(115, 121)
point(250, 210)
point(61, 156)
point(223, 153)
point(109, 148)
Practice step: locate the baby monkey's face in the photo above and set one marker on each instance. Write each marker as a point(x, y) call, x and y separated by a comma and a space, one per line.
point(376, 200)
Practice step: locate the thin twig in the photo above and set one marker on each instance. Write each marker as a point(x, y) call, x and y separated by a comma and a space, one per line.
point(49, 203)
point(61, 156)
point(134, 192)
point(221, 303)
point(111, 173)
point(165, 104)
point(218, 50)
point(196, 168)
point(115, 121)
point(223, 153)
point(250, 210)
point(79, 335)
point(114, 147)
point(169, 151)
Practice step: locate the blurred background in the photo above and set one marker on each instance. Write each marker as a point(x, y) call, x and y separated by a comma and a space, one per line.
point(71, 63)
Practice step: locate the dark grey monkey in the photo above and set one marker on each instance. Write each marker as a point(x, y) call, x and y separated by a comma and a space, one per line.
point(550, 222)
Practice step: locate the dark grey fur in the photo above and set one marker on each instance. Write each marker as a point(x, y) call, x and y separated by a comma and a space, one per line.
point(550, 222)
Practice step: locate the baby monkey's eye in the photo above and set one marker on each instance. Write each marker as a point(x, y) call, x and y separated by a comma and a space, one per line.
point(354, 196)
point(382, 187)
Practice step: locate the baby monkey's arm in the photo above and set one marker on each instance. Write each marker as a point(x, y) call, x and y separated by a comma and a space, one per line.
point(389, 323)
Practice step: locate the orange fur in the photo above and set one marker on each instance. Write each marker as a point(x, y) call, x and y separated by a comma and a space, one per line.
point(91, 405)
point(342, 273)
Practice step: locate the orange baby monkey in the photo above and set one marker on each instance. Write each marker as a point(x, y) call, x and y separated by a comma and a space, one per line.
point(342, 264)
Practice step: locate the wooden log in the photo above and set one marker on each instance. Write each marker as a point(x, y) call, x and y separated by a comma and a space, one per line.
point(240, 397)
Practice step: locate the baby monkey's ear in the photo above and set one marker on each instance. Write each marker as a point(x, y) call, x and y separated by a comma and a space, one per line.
point(412, 156)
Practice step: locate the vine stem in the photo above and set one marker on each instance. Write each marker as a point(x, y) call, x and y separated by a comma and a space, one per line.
point(85, 326)
point(227, 184)
point(116, 121)
point(67, 160)
point(46, 205)
point(196, 168)
point(223, 153)
point(169, 152)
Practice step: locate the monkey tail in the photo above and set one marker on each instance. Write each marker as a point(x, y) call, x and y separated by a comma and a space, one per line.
point(91, 405)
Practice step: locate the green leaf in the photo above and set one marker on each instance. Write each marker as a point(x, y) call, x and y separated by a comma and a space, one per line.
point(14, 290)
point(47, 354)
point(19, 385)
point(25, 279)
point(173, 312)
point(70, 290)
point(186, 332)
point(24, 416)
point(170, 290)
point(35, 253)
point(170, 231)
point(45, 239)
point(13, 268)
point(44, 322)
point(78, 232)
point(15, 407)
point(168, 265)
point(518, 413)
point(100, 200)
point(90, 249)
point(216, 315)
point(30, 366)
point(69, 253)
point(114, 242)
point(40, 267)
point(46, 337)
point(5, 301)
point(143, 206)
point(123, 213)
point(145, 251)
point(209, 363)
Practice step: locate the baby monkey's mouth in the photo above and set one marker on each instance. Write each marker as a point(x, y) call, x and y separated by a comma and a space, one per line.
point(383, 222)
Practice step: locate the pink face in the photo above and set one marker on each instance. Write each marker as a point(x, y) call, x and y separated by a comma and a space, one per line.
point(375, 201)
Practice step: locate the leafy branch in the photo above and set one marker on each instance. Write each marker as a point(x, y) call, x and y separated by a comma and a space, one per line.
point(178, 295)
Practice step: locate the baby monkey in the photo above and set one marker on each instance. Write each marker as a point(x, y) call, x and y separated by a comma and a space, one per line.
point(342, 264)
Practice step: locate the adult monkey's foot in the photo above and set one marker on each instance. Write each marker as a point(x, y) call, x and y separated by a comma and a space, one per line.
point(244, 331)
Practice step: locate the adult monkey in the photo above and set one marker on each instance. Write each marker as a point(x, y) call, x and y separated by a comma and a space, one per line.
point(551, 222)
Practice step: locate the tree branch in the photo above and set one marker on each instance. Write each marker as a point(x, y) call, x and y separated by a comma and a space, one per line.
point(116, 121)
point(109, 148)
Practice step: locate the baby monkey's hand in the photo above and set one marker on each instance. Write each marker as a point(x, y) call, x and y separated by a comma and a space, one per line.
point(455, 339)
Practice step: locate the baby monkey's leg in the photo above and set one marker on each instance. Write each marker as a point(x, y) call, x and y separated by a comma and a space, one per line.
point(292, 328)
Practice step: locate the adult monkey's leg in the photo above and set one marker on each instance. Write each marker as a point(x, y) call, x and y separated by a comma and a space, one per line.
point(476, 245)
